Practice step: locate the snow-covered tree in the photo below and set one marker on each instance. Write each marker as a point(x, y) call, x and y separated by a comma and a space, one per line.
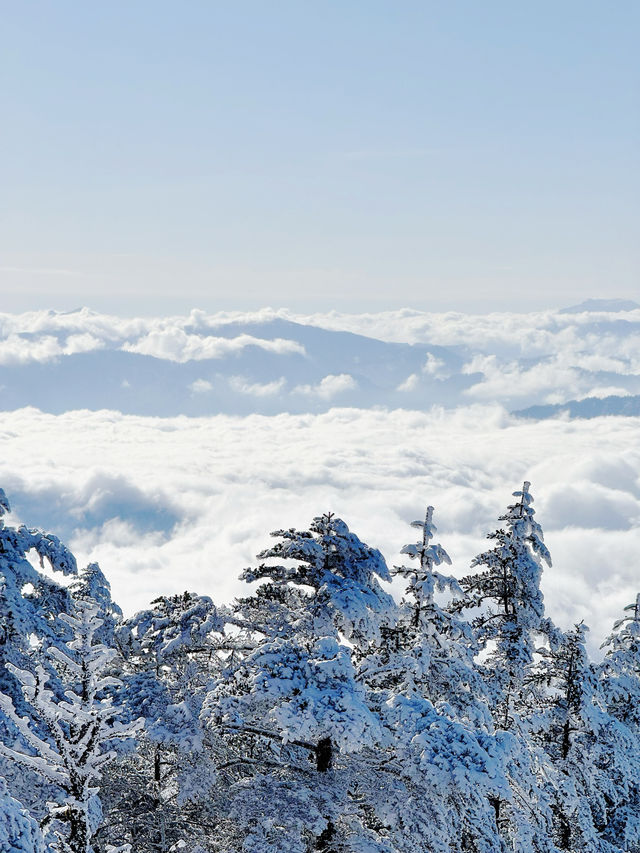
point(161, 795)
point(438, 646)
point(593, 759)
point(507, 592)
point(30, 606)
point(620, 669)
point(292, 708)
point(31, 601)
point(19, 832)
point(342, 573)
point(509, 625)
point(69, 746)
point(619, 675)
point(432, 703)
point(92, 587)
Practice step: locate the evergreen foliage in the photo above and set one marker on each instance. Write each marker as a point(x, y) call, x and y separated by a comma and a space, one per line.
point(31, 601)
point(70, 746)
point(315, 713)
point(507, 591)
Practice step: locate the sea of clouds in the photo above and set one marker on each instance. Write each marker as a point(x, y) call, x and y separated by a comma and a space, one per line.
point(173, 503)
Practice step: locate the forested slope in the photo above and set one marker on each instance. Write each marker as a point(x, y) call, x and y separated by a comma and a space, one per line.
point(317, 713)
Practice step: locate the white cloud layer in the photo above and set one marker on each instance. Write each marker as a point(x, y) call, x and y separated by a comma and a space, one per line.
point(169, 504)
point(46, 335)
point(201, 386)
point(329, 386)
point(176, 345)
point(515, 359)
point(257, 389)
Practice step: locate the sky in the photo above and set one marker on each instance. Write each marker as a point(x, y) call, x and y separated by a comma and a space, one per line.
point(362, 156)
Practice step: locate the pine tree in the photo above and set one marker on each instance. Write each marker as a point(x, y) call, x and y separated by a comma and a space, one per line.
point(162, 795)
point(619, 675)
point(620, 669)
point(509, 627)
point(591, 755)
point(292, 709)
point(507, 590)
point(342, 573)
point(424, 685)
point(69, 746)
point(440, 646)
point(19, 832)
point(31, 602)
point(91, 586)
point(30, 606)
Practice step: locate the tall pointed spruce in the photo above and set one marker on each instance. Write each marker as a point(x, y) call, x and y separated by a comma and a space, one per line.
point(509, 625)
point(424, 686)
point(507, 592)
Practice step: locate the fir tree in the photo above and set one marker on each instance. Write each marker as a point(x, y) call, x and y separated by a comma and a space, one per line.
point(593, 758)
point(509, 627)
point(424, 686)
point(160, 796)
point(69, 747)
point(92, 587)
point(31, 601)
point(30, 606)
point(507, 590)
point(293, 703)
point(619, 675)
point(620, 669)
point(440, 646)
point(19, 832)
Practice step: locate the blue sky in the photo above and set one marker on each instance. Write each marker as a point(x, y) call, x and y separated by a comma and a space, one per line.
point(359, 155)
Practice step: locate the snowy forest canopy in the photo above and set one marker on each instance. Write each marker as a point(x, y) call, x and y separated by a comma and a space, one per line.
point(316, 713)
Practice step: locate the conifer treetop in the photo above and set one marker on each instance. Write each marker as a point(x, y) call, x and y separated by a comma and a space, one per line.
point(422, 579)
point(333, 577)
point(4, 506)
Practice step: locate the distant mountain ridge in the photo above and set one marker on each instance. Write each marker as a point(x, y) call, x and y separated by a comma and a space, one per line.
point(327, 368)
point(270, 362)
point(607, 305)
point(590, 407)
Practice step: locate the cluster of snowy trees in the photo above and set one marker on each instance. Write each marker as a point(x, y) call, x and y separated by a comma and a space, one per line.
point(316, 713)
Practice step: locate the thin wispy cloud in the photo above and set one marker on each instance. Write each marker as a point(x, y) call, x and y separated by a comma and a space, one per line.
point(328, 387)
point(257, 389)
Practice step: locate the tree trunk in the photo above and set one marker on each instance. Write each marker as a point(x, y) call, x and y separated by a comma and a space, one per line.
point(324, 755)
point(566, 740)
point(78, 840)
point(324, 762)
point(565, 833)
point(495, 802)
